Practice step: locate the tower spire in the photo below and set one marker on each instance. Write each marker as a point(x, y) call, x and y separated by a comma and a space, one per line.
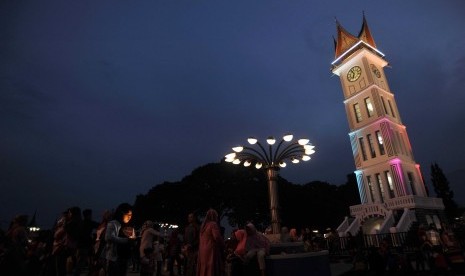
point(365, 34)
point(345, 40)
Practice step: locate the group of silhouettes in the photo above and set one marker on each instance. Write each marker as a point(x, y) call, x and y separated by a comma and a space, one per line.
point(78, 245)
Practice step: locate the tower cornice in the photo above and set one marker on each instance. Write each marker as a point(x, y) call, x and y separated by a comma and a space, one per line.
point(357, 46)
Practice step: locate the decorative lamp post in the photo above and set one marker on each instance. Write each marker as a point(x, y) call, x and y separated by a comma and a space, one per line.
point(272, 160)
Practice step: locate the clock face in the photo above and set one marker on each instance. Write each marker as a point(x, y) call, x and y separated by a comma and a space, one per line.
point(354, 73)
point(375, 71)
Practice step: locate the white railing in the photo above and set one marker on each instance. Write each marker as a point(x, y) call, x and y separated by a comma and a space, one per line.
point(364, 210)
point(411, 201)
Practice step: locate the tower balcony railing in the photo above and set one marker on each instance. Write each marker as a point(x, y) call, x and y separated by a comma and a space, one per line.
point(404, 202)
point(362, 211)
point(412, 201)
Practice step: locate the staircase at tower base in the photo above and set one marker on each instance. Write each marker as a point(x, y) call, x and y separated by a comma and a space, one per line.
point(393, 216)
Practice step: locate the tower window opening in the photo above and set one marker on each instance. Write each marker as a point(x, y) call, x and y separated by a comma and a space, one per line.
point(379, 138)
point(392, 110)
point(380, 185)
point(384, 105)
point(369, 107)
point(370, 188)
point(362, 147)
point(390, 184)
point(371, 145)
point(358, 113)
point(411, 183)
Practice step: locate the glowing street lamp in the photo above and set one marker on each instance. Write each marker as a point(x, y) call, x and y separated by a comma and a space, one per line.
point(272, 160)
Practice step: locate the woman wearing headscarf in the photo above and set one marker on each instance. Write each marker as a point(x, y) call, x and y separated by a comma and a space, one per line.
point(211, 247)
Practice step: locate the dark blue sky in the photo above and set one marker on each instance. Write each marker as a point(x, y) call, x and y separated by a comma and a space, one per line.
point(101, 100)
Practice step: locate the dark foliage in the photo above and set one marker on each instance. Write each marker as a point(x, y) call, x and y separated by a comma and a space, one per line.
point(442, 189)
point(241, 195)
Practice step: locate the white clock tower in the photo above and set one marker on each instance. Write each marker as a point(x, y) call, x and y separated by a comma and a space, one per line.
point(391, 187)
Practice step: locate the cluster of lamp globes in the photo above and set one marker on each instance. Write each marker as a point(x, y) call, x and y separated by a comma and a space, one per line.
point(294, 151)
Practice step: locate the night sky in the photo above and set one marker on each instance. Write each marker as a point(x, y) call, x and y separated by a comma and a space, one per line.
point(102, 100)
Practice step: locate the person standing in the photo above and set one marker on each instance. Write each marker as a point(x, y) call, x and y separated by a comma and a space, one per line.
point(118, 237)
point(191, 244)
point(173, 251)
point(211, 247)
point(85, 241)
point(14, 257)
point(148, 237)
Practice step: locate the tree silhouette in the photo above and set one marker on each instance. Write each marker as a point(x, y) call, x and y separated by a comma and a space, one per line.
point(442, 189)
point(240, 194)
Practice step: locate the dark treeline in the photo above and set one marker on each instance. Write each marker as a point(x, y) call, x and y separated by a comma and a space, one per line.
point(241, 194)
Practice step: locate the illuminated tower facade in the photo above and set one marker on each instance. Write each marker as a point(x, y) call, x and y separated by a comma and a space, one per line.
point(391, 187)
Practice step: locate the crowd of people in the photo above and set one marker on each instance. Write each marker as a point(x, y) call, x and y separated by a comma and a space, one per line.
point(429, 250)
point(78, 245)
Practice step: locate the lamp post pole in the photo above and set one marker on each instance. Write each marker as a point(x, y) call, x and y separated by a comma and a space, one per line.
point(272, 176)
point(272, 160)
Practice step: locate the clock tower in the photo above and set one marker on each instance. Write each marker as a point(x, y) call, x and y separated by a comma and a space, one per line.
point(391, 187)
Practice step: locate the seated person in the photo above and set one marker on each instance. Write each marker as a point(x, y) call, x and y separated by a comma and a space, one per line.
point(256, 245)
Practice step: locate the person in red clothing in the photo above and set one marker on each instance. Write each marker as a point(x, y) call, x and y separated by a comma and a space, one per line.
point(211, 247)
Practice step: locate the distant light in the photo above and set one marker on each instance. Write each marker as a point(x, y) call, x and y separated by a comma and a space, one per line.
point(230, 155)
point(252, 140)
point(236, 161)
point(282, 164)
point(295, 160)
point(247, 163)
point(303, 141)
point(258, 165)
point(306, 158)
point(309, 147)
point(238, 149)
point(309, 152)
point(271, 140)
point(288, 137)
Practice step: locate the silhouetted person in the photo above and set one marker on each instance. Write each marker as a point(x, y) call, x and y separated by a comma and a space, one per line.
point(211, 247)
point(191, 244)
point(118, 237)
point(85, 241)
point(16, 241)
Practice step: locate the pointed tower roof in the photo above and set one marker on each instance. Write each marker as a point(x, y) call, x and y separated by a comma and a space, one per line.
point(344, 41)
point(365, 33)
